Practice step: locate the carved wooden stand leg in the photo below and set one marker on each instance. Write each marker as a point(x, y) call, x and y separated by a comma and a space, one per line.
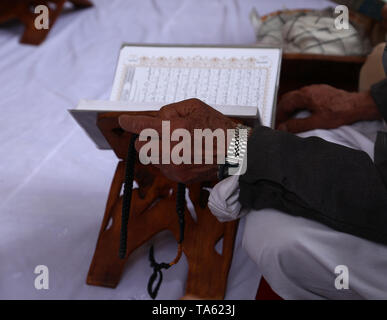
point(153, 210)
point(23, 10)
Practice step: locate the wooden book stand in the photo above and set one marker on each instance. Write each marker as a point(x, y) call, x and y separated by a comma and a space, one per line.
point(153, 210)
point(23, 10)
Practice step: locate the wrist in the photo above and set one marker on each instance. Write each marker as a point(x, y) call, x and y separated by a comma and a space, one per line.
point(366, 107)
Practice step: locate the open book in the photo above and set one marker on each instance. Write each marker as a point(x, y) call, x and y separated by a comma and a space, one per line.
point(237, 81)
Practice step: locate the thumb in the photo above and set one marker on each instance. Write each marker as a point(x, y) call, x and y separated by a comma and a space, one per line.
point(135, 124)
point(301, 125)
point(290, 103)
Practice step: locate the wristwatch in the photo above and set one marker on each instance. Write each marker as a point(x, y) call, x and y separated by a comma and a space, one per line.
point(235, 162)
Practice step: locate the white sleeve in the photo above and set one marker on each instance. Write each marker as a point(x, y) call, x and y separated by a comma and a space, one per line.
point(223, 201)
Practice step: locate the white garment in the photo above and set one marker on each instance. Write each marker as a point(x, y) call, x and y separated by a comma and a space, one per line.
point(223, 200)
point(298, 256)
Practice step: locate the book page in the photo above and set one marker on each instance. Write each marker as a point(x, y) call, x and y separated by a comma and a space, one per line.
point(228, 77)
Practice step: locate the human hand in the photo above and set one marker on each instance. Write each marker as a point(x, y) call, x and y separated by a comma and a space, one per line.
point(329, 107)
point(189, 114)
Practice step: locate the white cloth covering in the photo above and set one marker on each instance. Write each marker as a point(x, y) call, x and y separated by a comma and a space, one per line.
point(298, 256)
point(53, 181)
point(312, 32)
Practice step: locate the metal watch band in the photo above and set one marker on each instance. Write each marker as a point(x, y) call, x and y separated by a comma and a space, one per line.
point(236, 152)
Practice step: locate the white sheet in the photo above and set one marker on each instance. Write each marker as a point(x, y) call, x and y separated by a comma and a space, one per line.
point(53, 181)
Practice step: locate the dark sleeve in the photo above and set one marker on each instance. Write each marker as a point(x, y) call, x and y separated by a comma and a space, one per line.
point(315, 179)
point(379, 94)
